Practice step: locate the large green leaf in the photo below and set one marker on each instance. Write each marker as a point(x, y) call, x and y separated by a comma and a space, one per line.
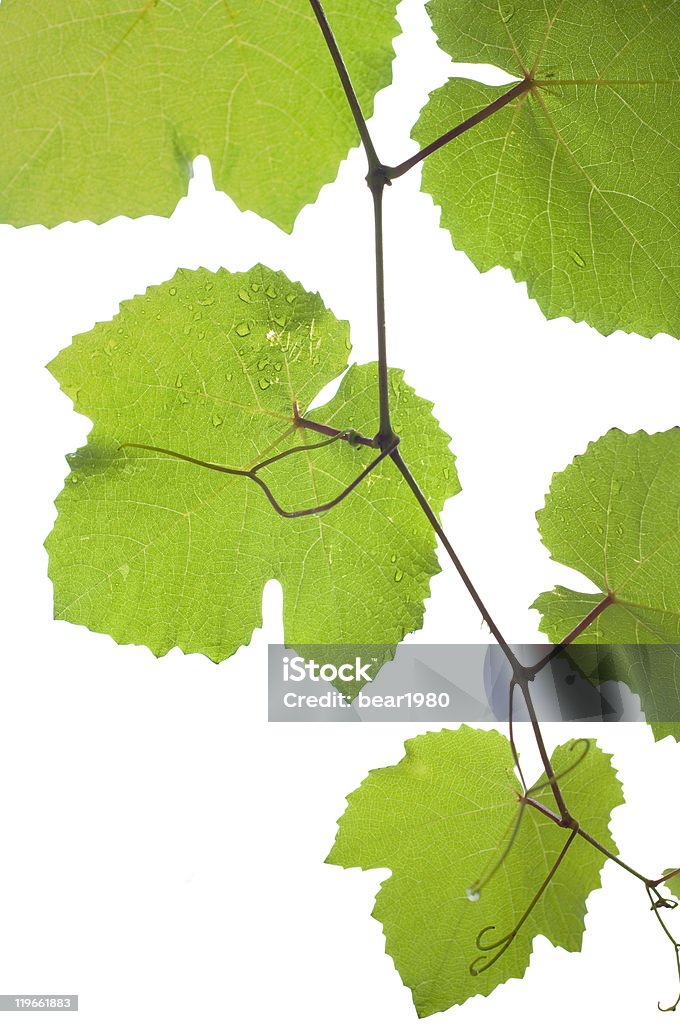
point(614, 515)
point(436, 820)
point(573, 186)
point(105, 104)
point(160, 552)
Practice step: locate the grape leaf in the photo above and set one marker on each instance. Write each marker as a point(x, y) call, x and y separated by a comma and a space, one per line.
point(105, 108)
point(614, 515)
point(573, 185)
point(436, 820)
point(159, 552)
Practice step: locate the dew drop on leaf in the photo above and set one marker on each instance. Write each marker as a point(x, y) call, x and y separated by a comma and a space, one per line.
point(398, 575)
point(472, 894)
point(242, 329)
point(577, 258)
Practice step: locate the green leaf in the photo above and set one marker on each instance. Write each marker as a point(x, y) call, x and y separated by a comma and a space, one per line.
point(105, 108)
point(673, 883)
point(156, 551)
point(614, 515)
point(572, 186)
point(436, 820)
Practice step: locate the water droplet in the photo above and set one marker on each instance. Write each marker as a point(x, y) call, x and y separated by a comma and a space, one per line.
point(178, 381)
point(242, 329)
point(124, 570)
point(173, 290)
point(507, 12)
point(348, 344)
point(254, 286)
point(264, 383)
point(280, 320)
point(229, 376)
point(262, 363)
point(74, 478)
point(577, 258)
point(272, 292)
point(278, 366)
point(472, 894)
point(446, 474)
point(398, 575)
point(393, 558)
point(290, 297)
point(243, 295)
point(217, 421)
point(183, 399)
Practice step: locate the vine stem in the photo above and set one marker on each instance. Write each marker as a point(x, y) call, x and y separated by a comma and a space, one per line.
point(532, 802)
point(346, 82)
point(481, 115)
point(576, 631)
point(547, 763)
point(379, 175)
point(664, 878)
point(398, 460)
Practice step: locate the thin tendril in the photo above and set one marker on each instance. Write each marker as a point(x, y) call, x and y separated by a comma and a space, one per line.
point(251, 474)
point(511, 730)
point(483, 963)
point(656, 907)
point(567, 771)
point(513, 828)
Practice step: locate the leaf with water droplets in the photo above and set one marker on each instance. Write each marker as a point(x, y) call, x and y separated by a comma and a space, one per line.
point(573, 185)
point(107, 104)
point(438, 820)
point(614, 516)
point(198, 546)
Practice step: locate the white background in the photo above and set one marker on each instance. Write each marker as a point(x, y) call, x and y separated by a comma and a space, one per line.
point(162, 847)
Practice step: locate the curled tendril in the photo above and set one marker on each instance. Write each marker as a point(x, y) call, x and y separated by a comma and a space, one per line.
point(581, 741)
point(662, 903)
point(659, 903)
point(500, 944)
point(484, 962)
point(351, 436)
